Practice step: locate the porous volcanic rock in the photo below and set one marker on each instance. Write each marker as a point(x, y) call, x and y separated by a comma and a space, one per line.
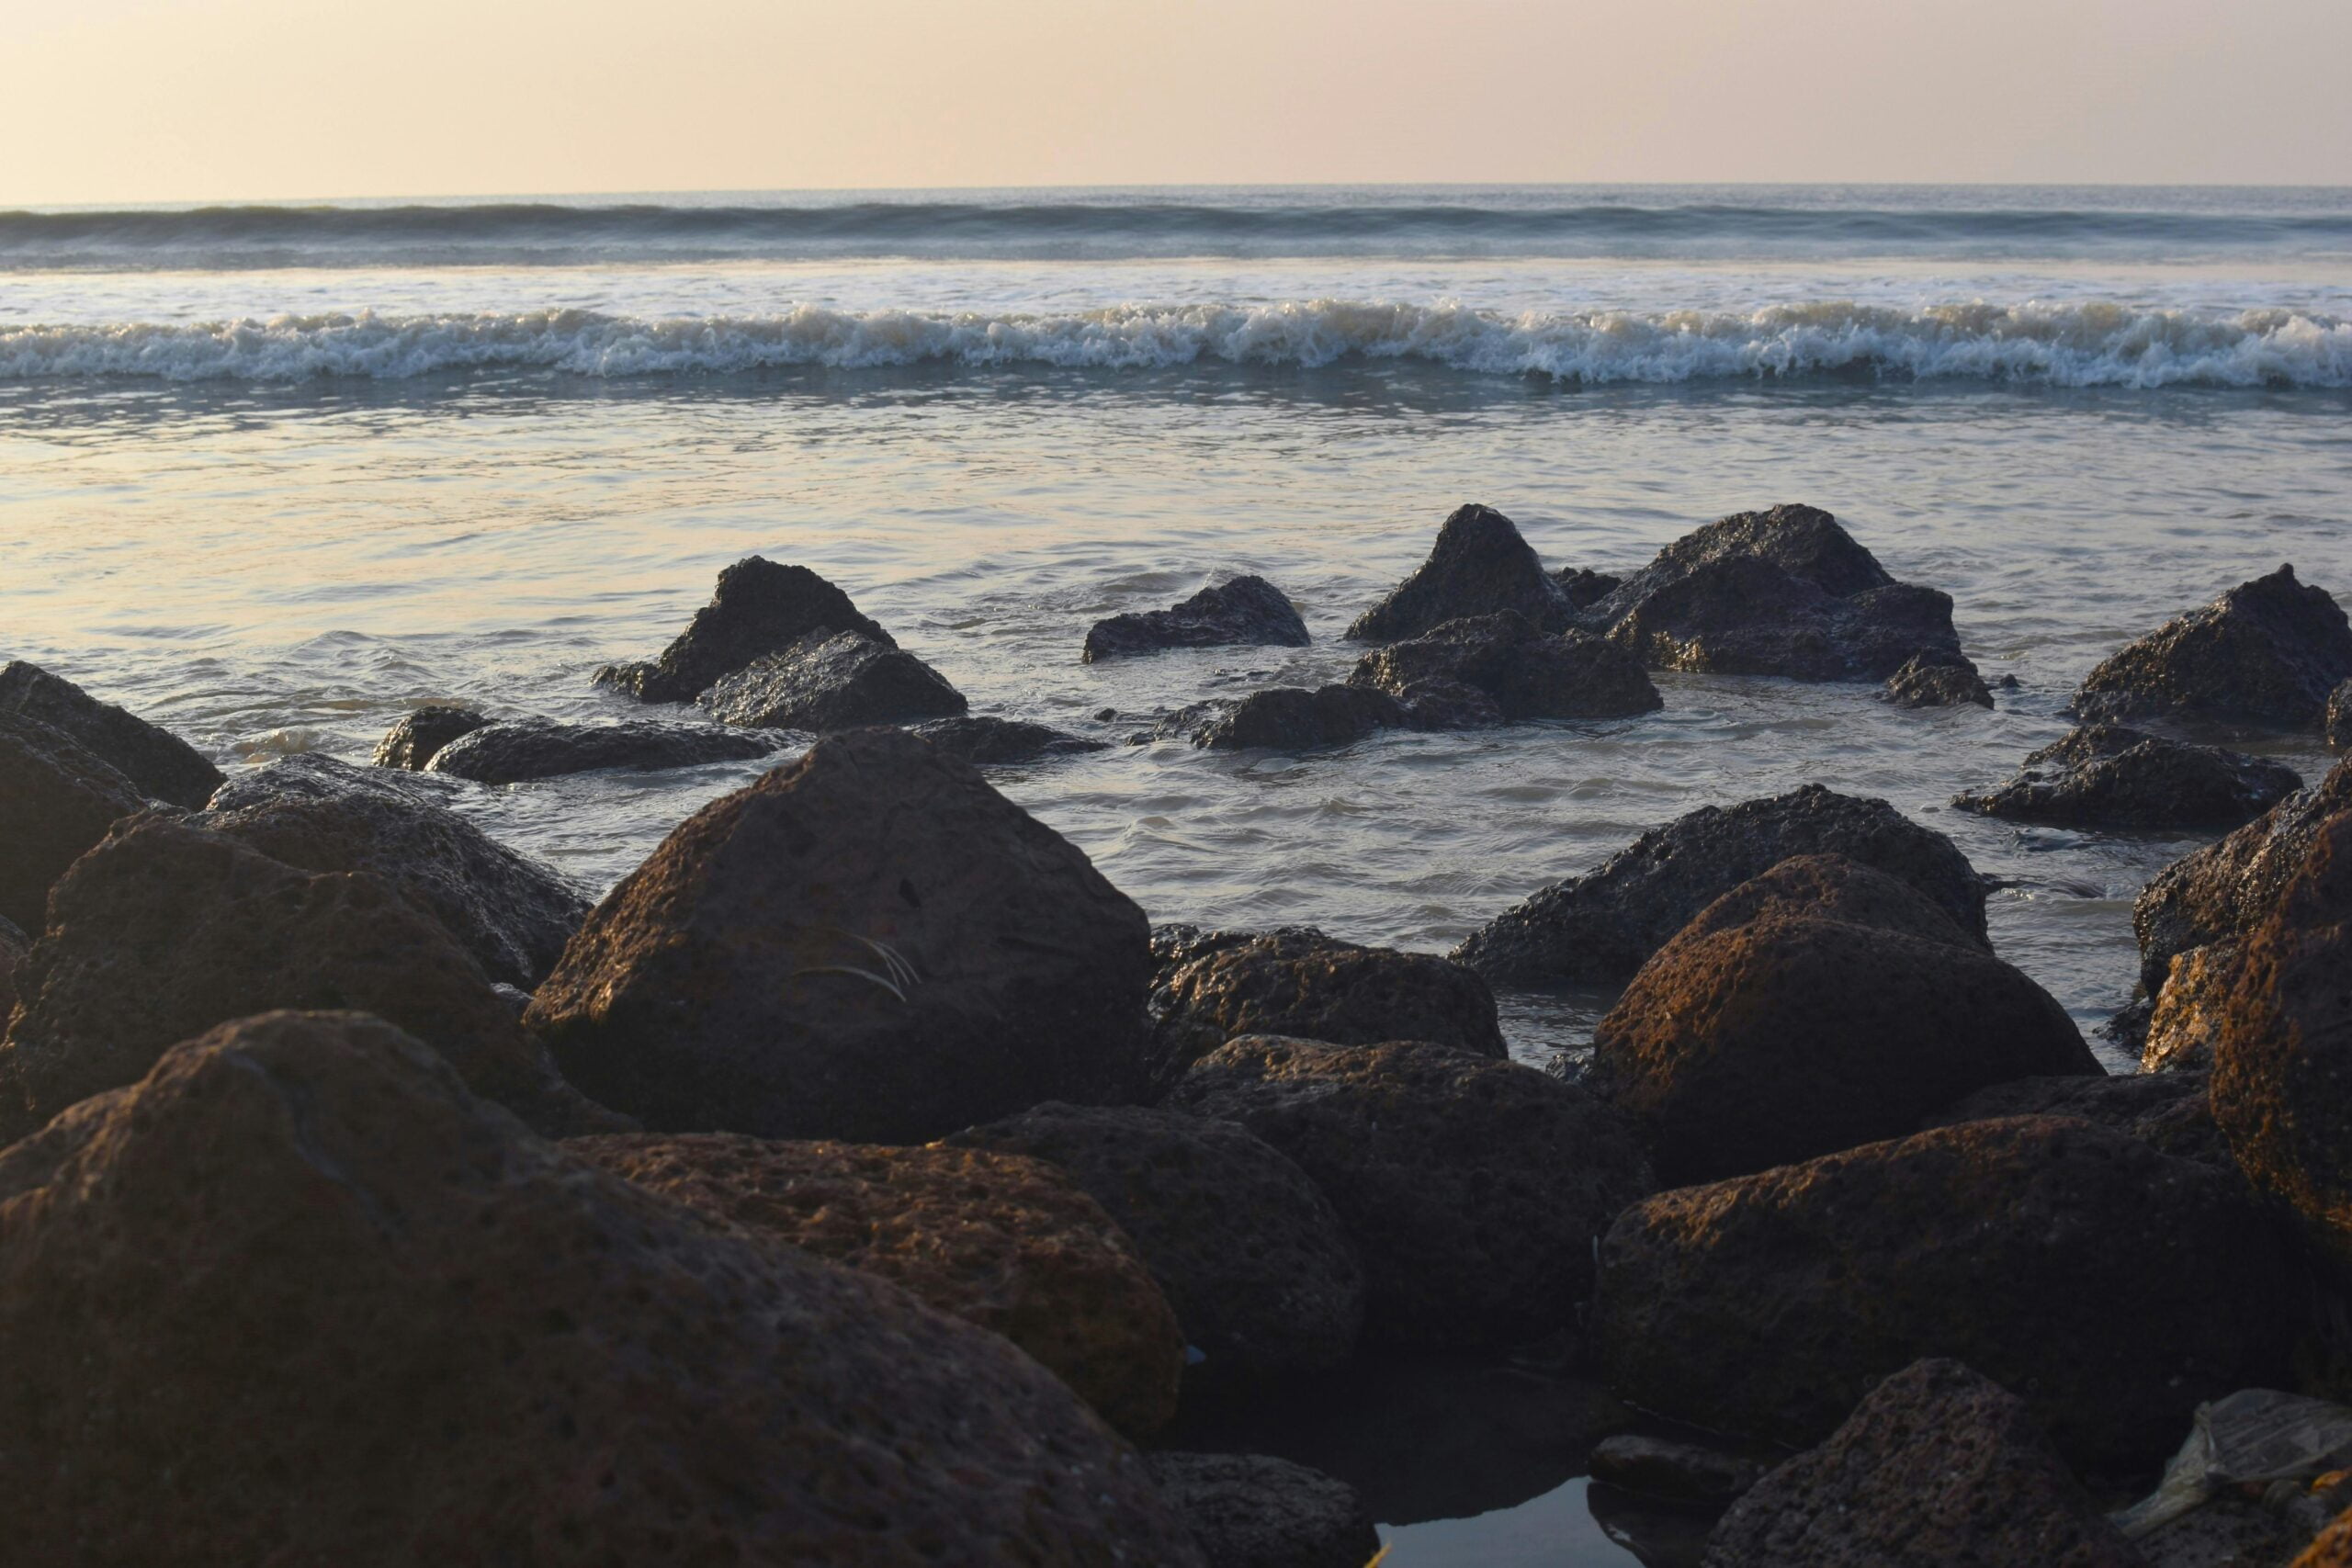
point(1472, 1189)
point(313, 775)
point(1528, 672)
point(835, 682)
point(757, 609)
point(1479, 564)
point(2224, 891)
point(1247, 612)
point(1604, 925)
point(2339, 716)
point(870, 943)
point(2268, 653)
point(1256, 1511)
point(13, 947)
point(300, 1248)
point(1441, 704)
point(1767, 1305)
point(1939, 1466)
point(516, 749)
point(2173, 1111)
point(1584, 586)
point(1292, 718)
point(411, 743)
point(2103, 775)
point(1252, 1256)
point(57, 798)
point(1008, 1243)
point(986, 742)
point(162, 765)
point(1937, 680)
point(1831, 887)
point(2188, 1012)
point(1295, 981)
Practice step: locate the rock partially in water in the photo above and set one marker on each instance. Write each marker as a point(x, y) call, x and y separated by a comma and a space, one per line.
point(514, 750)
point(986, 742)
point(313, 775)
point(1473, 1189)
point(1583, 586)
point(758, 608)
point(1672, 1472)
point(1602, 926)
point(2224, 891)
point(1290, 718)
point(2339, 716)
point(160, 764)
point(411, 743)
point(1479, 566)
point(2188, 1012)
point(2103, 775)
point(1937, 1467)
point(1247, 612)
point(1831, 887)
point(299, 1248)
point(828, 684)
point(1937, 680)
point(1448, 705)
point(2115, 1286)
point(61, 799)
point(1008, 1243)
point(1256, 1511)
point(1528, 672)
point(2267, 652)
point(870, 943)
point(2170, 1112)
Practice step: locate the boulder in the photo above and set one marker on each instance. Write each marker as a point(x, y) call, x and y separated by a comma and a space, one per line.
point(2172, 1111)
point(14, 948)
point(758, 608)
point(1602, 926)
point(160, 764)
point(1250, 1253)
point(1937, 680)
point(1256, 1511)
point(2267, 652)
point(826, 684)
point(1939, 1466)
point(2339, 716)
point(1473, 1189)
point(1831, 887)
point(2224, 891)
point(57, 798)
point(986, 741)
point(1583, 586)
point(870, 943)
point(165, 929)
point(1528, 672)
point(1215, 986)
point(1290, 718)
point(1007, 1242)
point(1478, 566)
point(2114, 1285)
point(1247, 612)
point(311, 775)
point(1672, 1472)
point(517, 749)
point(2103, 775)
point(421, 731)
point(1440, 704)
point(298, 1249)
point(2189, 1010)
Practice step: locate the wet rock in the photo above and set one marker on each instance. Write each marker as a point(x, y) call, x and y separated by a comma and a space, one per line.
point(830, 683)
point(1528, 672)
point(1290, 718)
point(870, 943)
point(421, 731)
point(300, 1248)
point(1939, 1466)
point(1472, 1189)
point(1479, 566)
point(2224, 891)
point(1786, 592)
point(165, 929)
point(14, 946)
point(1250, 1253)
point(1831, 887)
point(2171, 1111)
point(1004, 1242)
point(2188, 1011)
point(759, 608)
point(2103, 775)
point(159, 763)
point(2332, 1549)
point(1448, 705)
point(1256, 1511)
point(2339, 716)
point(1583, 586)
point(522, 748)
point(1934, 680)
point(59, 797)
point(1295, 981)
point(1247, 612)
point(1675, 1472)
point(1766, 1306)
point(2267, 652)
point(985, 741)
point(1602, 926)
point(309, 775)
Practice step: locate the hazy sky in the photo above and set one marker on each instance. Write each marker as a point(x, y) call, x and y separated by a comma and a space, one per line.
point(124, 100)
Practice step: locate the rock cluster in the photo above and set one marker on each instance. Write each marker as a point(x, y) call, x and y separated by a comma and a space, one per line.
point(421, 731)
point(2267, 652)
point(1247, 612)
point(1526, 672)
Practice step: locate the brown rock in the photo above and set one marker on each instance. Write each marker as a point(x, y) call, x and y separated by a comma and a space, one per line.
point(2223, 891)
point(2171, 1111)
point(1832, 887)
point(2188, 1011)
point(57, 798)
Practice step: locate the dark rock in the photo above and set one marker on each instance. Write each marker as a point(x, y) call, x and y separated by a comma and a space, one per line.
point(830, 683)
point(1602, 926)
point(758, 608)
point(1472, 1189)
point(2188, 1012)
point(1448, 705)
point(1672, 1472)
point(2224, 891)
point(1583, 586)
point(421, 732)
point(1247, 612)
point(1529, 674)
point(159, 763)
point(57, 798)
point(517, 749)
point(1290, 718)
point(309, 775)
point(1007, 1242)
point(2105, 776)
point(1297, 982)
point(870, 944)
point(301, 1250)
point(14, 946)
point(1933, 680)
point(1831, 887)
point(2339, 716)
point(2267, 652)
point(1937, 1467)
point(2116, 1286)
point(1249, 1251)
point(986, 741)
point(2173, 1111)
point(1256, 1511)
point(1478, 566)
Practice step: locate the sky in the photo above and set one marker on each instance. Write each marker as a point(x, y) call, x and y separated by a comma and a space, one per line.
point(106, 101)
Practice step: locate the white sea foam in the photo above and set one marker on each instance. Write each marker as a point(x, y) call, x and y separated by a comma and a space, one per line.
point(2070, 345)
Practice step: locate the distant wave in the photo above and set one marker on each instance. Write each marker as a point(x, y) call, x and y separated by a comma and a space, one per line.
point(2069, 345)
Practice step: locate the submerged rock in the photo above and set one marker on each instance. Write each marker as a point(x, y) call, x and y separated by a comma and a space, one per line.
point(2103, 775)
point(1528, 673)
point(1937, 680)
point(1479, 566)
point(516, 749)
point(1290, 718)
point(2222, 892)
point(1247, 612)
point(842, 681)
point(159, 763)
point(2170, 1112)
point(758, 608)
point(2267, 652)
point(411, 743)
point(1256, 1511)
point(60, 798)
point(986, 741)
